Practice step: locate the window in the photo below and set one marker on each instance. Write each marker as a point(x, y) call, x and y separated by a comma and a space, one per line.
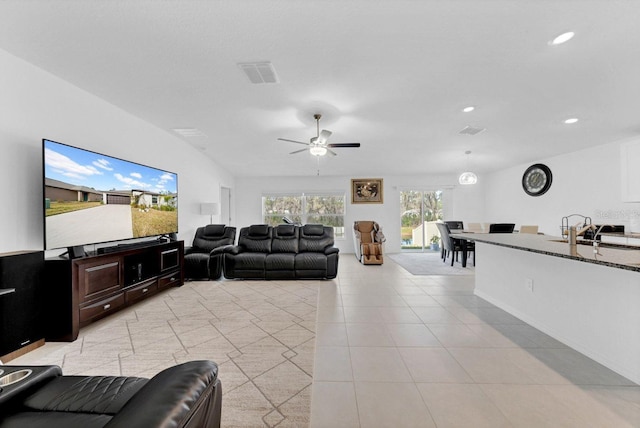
point(322, 208)
point(419, 211)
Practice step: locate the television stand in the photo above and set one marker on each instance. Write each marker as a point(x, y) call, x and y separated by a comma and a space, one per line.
point(80, 291)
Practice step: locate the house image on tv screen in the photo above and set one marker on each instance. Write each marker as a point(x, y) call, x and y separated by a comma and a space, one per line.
point(79, 215)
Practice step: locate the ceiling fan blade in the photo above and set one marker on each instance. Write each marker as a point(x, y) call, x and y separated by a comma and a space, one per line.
point(324, 136)
point(293, 141)
point(334, 145)
point(299, 151)
point(332, 152)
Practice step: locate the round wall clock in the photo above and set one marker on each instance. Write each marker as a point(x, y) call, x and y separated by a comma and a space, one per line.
point(537, 179)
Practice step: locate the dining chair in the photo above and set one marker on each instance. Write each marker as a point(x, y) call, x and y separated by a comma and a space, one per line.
point(455, 224)
point(475, 227)
point(529, 229)
point(501, 227)
point(453, 246)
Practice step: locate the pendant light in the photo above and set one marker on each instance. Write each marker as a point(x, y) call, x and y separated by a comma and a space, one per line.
point(467, 177)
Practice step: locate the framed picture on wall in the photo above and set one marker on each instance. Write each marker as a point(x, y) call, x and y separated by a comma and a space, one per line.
point(366, 191)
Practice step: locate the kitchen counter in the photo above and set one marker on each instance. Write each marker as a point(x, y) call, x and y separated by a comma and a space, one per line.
point(590, 302)
point(609, 254)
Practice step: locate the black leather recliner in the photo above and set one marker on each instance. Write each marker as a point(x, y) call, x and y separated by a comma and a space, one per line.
point(286, 251)
point(188, 395)
point(199, 259)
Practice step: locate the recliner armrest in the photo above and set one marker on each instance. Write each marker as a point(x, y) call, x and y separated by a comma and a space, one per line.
point(222, 249)
point(228, 249)
point(186, 395)
point(331, 250)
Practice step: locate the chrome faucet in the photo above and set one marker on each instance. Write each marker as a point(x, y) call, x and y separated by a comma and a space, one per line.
point(596, 243)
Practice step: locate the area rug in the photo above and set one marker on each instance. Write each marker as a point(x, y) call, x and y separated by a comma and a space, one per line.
point(260, 333)
point(429, 263)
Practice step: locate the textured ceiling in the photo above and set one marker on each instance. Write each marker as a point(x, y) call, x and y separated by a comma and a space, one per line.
point(392, 75)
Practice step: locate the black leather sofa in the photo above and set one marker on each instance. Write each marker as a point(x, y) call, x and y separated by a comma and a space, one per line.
point(286, 251)
point(199, 260)
point(187, 395)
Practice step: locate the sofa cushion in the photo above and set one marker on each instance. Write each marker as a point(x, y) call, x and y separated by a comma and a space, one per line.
point(285, 230)
point(256, 238)
point(311, 261)
point(213, 231)
point(259, 230)
point(312, 241)
point(250, 261)
point(280, 261)
point(285, 239)
point(312, 230)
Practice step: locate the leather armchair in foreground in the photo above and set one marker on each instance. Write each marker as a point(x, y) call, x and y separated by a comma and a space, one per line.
point(188, 395)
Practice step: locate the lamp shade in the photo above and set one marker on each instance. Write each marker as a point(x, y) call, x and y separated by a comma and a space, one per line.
point(208, 208)
point(468, 177)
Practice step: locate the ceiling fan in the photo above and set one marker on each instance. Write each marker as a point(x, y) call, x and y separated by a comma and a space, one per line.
point(319, 145)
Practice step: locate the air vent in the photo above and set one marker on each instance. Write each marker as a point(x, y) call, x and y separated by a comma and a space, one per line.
point(471, 130)
point(259, 72)
point(189, 132)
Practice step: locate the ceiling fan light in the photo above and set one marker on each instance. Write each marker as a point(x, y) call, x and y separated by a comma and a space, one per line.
point(318, 151)
point(467, 178)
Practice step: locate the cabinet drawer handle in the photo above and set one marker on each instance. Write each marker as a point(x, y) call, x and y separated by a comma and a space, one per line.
point(144, 290)
point(25, 342)
point(172, 279)
point(107, 306)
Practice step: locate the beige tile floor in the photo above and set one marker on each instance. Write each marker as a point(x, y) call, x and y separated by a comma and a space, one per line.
point(397, 350)
point(391, 350)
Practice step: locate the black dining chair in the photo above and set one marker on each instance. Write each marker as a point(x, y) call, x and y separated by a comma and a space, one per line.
point(453, 246)
point(501, 227)
point(455, 224)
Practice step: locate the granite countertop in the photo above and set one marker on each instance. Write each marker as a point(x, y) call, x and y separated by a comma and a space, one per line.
point(616, 256)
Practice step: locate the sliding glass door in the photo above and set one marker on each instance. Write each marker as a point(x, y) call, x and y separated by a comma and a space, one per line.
point(419, 210)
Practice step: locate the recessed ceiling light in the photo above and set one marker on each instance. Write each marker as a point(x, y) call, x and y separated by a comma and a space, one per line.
point(562, 38)
point(189, 132)
point(571, 120)
point(468, 109)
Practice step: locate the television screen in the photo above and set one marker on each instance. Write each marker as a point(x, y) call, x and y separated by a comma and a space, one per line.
point(92, 198)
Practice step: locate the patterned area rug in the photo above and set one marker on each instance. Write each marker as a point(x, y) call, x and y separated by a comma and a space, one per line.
point(260, 333)
point(430, 263)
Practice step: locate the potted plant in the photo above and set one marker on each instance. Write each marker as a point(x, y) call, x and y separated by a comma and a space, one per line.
point(435, 243)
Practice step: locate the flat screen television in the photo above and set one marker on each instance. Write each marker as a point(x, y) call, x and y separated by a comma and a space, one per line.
point(92, 198)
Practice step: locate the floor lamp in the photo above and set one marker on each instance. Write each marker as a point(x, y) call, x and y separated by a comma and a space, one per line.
point(209, 208)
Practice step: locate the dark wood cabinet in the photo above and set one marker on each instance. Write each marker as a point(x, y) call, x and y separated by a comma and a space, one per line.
point(80, 291)
point(20, 301)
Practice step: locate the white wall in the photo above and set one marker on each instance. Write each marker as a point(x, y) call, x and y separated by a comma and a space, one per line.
point(586, 182)
point(461, 202)
point(35, 104)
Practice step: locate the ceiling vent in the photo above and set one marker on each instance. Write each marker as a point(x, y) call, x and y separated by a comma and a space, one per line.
point(259, 72)
point(471, 130)
point(189, 132)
